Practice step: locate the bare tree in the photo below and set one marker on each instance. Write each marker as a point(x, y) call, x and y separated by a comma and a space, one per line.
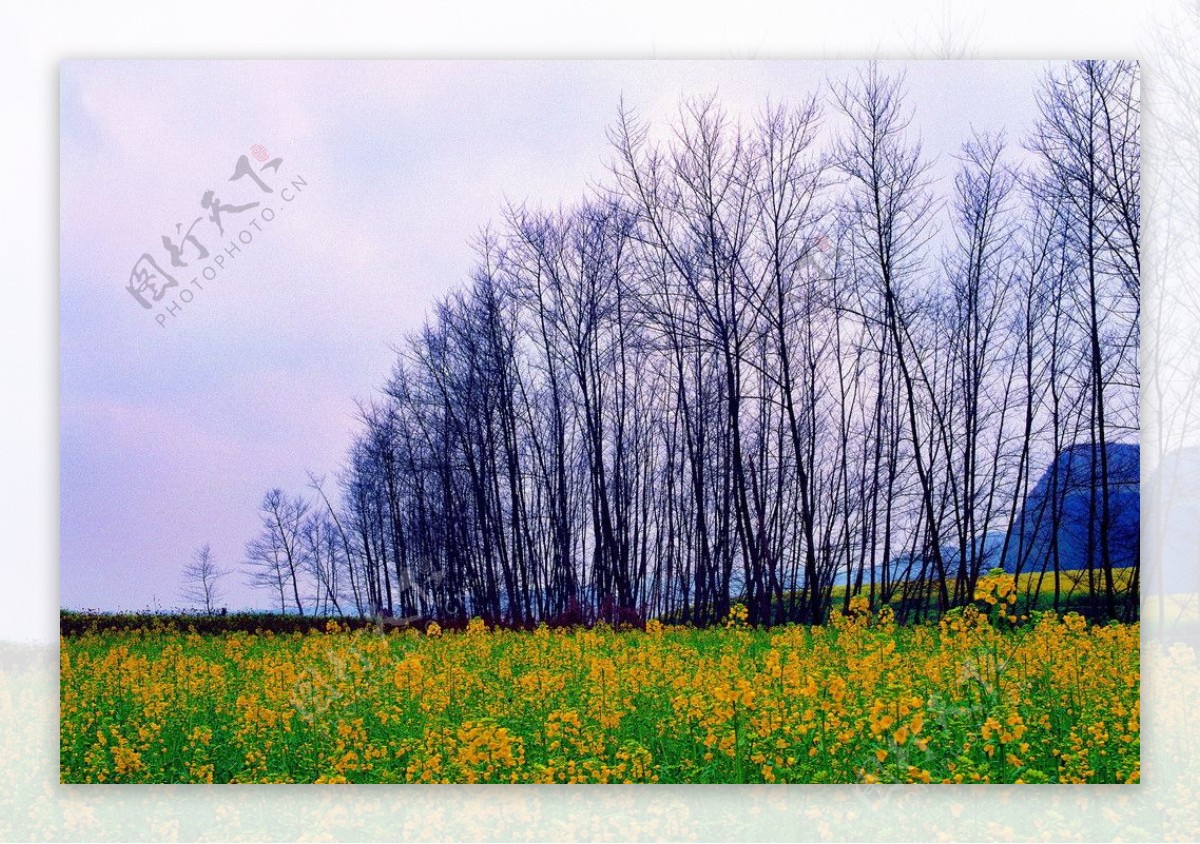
point(276, 555)
point(202, 579)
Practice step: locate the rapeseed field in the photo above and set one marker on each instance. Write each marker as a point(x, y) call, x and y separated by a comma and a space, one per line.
point(984, 695)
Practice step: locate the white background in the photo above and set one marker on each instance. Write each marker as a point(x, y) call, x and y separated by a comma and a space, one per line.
point(33, 39)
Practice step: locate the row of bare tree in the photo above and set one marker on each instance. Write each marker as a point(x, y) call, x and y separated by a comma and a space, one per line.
point(762, 361)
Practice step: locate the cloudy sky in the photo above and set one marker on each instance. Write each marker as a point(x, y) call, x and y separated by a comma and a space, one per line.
point(171, 433)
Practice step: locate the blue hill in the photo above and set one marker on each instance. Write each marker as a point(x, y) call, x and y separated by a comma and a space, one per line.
point(1070, 487)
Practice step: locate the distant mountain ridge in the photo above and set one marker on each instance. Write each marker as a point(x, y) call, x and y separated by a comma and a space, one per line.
point(1070, 481)
point(1031, 538)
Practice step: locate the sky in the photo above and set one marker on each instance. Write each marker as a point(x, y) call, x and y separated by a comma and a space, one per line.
point(173, 423)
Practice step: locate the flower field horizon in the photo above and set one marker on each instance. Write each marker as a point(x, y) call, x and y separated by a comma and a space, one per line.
point(981, 696)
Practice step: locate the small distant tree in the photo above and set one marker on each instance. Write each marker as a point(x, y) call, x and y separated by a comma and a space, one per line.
point(202, 578)
point(276, 555)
